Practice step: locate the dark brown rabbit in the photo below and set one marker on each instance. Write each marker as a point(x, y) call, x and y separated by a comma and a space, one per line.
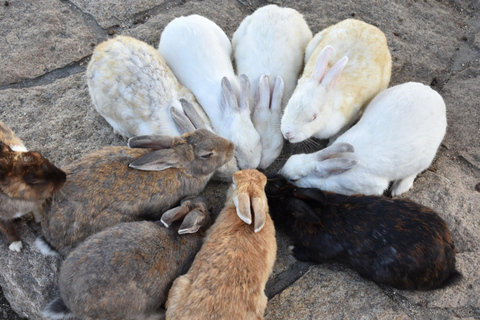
point(125, 272)
point(109, 186)
point(27, 179)
point(390, 241)
point(228, 276)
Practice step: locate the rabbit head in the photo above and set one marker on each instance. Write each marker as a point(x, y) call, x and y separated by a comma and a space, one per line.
point(266, 118)
point(28, 175)
point(309, 108)
point(248, 194)
point(199, 152)
point(312, 170)
point(236, 118)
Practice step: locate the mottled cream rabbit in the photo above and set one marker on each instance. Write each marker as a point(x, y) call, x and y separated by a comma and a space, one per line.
point(27, 179)
point(228, 276)
point(132, 88)
point(326, 100)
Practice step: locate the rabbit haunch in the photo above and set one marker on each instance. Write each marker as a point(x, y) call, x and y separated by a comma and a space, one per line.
point(102, 190)
point(327, 100)
point(27, 179)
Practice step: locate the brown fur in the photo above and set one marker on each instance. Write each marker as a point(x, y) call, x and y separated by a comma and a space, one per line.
point(102, 190)
point(228, 276)
point(27, 179)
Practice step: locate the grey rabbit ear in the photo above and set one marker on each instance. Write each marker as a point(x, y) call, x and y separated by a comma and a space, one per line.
point(193, 221)
point(229, 100)
point(302, 211)
point(158, 160)
point(312, 194)
point(154, 141)
point(333, 150)
point(192, 114)
point(245, 93)
point(334, 166)
point(181, 120)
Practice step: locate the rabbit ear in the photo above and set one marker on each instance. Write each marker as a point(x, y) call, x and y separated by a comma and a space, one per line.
point(192, 114)
point(229, 101)
point(334, 166)
point(260, 212)
point(322, 62)
point(262, 95)
point(154, 141)
point(333, 150)
point(277, 94)
point(302, 211)
point(194, 220)
point(4, 148)
point(312, 194)
point(174, 214)
point(157, 161)
point(181, 120)
point(245, 92)
point(242, 203)
point(332, 76)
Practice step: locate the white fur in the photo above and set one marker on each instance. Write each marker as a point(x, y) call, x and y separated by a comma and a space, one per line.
point(329, 98)
point(396, 139)
point(21, 148)
point(199, 53)
point(16, 246)
point(44, 248)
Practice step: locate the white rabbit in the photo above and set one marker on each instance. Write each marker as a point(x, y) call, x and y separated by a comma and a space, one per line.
point(132, 88)
point(199, 53)
point(326, 103)
point(396, 139)
point(272, 41)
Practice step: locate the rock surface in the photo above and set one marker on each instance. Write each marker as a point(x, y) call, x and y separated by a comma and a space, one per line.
point(44, 98)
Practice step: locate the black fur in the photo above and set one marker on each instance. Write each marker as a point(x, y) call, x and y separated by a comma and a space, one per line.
point(390, 241)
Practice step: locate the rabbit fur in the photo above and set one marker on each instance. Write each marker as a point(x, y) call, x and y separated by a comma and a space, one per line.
point(27, 179)
point(103, 190)
point(125, 272)
point(200, 54)
point(396, 139)
point(228, 276)
point(326, 103)
point(394, 242)
point(132, 88)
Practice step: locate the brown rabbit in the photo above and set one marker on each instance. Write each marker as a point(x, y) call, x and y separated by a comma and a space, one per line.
point(103, 189)
point(27, 179)
point(228, 276)
point(124, 272)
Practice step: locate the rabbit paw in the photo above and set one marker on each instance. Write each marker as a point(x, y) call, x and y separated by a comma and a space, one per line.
point(194, 211)
point(300, 253)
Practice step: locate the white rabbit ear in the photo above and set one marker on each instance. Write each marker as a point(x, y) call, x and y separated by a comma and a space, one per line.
point(334, 166)
point(242, 203)
point(260, 213)
point(245, 93)
point(157, 161)
point(229, 100)
point(322, 62)
point(262, 95)
point(333, 150)
point(332, 76)
point(277, 94)
point(181, 120)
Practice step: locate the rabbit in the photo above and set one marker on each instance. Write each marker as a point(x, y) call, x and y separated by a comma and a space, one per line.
point(389, 241)
point(27, 180)
point(110, 186)
point(125, 272)
point(132, 88)
point(272, 41)
point(396, 139)
point(326, 103)
point(199, 53)
point(228, 276)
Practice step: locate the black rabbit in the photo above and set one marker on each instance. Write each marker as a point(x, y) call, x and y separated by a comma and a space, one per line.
point(390, 241)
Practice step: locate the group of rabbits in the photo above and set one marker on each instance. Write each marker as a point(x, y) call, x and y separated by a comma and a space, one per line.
point(190, 118)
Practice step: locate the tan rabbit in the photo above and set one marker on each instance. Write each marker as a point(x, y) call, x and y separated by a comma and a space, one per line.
point(228, 276)
point(27, 179)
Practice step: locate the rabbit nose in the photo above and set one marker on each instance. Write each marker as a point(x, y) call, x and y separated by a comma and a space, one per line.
point(289, 135)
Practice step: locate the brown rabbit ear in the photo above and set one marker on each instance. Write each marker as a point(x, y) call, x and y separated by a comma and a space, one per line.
point(260, 213)
point(242, 203)
point(158, 160)
point(154, 141)
point(194, 220)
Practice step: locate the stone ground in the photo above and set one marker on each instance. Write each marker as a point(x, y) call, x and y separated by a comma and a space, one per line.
point(45, 46)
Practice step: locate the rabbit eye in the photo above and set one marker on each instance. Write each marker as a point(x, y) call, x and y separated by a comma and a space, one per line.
point(313, 117)
point(32, 179)
point(206, 156)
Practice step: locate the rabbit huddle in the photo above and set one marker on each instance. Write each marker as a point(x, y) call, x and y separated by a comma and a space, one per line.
point(191, 118)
